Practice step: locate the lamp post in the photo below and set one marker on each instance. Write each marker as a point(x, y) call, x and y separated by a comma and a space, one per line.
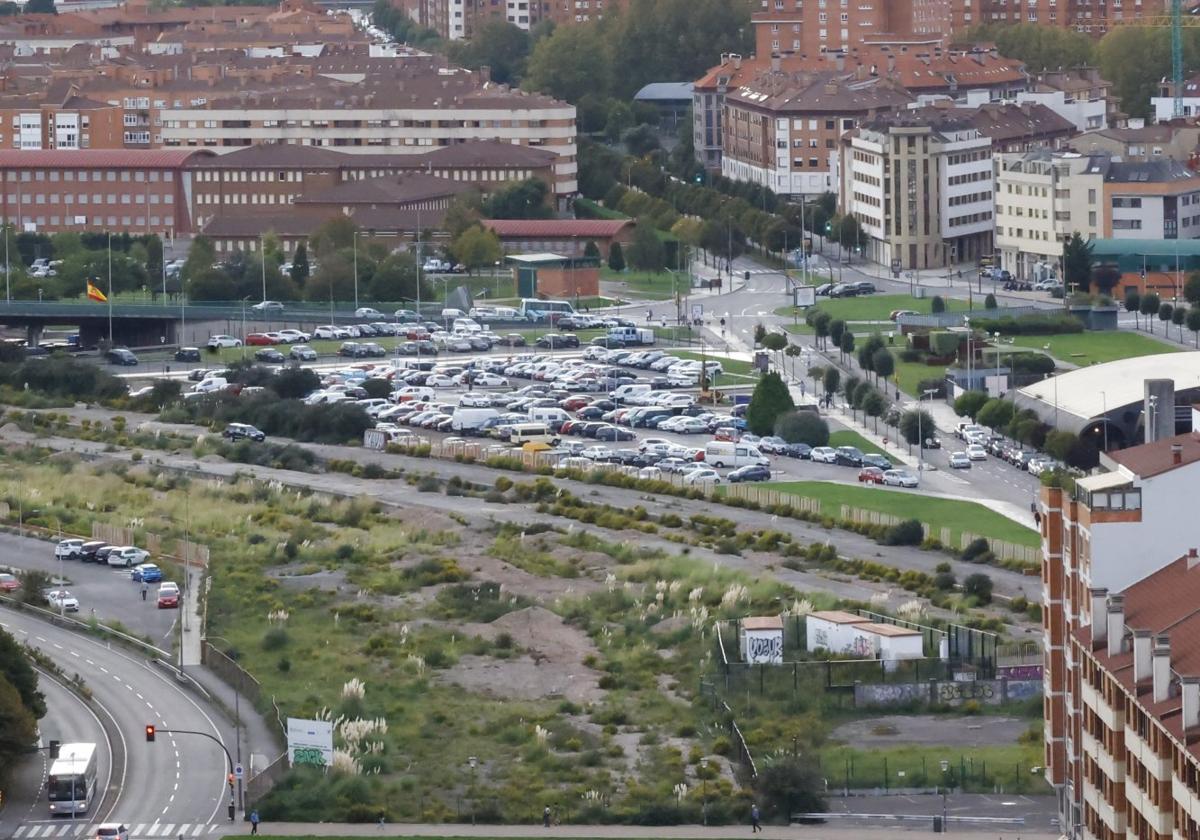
point(1104, 403)
point(356, 270)
point(262, 261)
point(246, 298)
point(237, 718)
point(920, 432)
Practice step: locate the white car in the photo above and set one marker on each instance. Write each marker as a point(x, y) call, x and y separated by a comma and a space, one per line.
point(112, 831)
point(293, 336)
point(61, 599)
point(302, 353)
point(475, 401)
point(824, 455)
point(702, 475)
point(127, 556)
point(654, 445)
point(368, 312)
point(440, 380)
point(976, 452)
point(268, 306)
point(325, 331)
point(491, 380)
point(960, 461)
point(692, 426)
point(899, 478)
point(596, 453)
point(68, 548)
point(217, 342)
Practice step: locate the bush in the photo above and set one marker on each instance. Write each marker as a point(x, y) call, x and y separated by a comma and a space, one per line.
point(1029, 325)
point(908, 532)
point(968, 403)
point(974, 549)
point(290, 418)
point(770, 400)
point(274, 639)
point(802, 427)
point(979, 587)
point(944, 343)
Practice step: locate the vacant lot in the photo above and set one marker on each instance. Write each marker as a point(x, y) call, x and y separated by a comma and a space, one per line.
point(1089, 348)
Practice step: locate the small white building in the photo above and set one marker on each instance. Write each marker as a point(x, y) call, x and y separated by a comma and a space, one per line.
point(852, 635)
point(761, 640)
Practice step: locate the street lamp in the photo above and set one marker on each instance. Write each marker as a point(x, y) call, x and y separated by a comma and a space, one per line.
point(246, 298)
point(920, 433)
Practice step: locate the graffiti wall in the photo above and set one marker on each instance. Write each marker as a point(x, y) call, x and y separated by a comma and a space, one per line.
point(946, 693)
point(763, 647)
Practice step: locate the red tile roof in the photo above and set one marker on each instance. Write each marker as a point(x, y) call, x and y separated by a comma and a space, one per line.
point(116, 158)
point(557, 228)
point(1153, 458)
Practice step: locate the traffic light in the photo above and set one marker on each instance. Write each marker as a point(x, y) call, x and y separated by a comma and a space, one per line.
point(53, 749)
point(149, 732)
point(231, 782)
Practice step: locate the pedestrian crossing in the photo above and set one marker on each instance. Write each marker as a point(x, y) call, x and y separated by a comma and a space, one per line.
point(137, 831)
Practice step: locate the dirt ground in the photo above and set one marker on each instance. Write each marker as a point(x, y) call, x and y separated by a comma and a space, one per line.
point(974, 731)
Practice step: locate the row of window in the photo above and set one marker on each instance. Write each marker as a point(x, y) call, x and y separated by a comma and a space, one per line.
point(243, 198)
point(95, 221)
point(970, 219)
point(971, 198)
point(970, 178)
point(83, 176)
point(84, 198)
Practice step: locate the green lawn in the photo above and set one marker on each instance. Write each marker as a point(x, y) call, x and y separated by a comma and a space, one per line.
point(848, 437)
point(873, 307)
point(938, 513)
point(1088, 348)
point(977, 768)
point(647, 284)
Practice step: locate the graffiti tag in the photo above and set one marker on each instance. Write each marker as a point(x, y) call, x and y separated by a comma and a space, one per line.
point(308, 755)
point(954, 691)
point(765, 649)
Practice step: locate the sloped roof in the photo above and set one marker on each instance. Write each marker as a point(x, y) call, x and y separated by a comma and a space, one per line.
point(557, 228)
point(116, 158)
point(392, 189)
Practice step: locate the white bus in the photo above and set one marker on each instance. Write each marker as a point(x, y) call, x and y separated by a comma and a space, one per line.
point(71, 783)
point(533, 309)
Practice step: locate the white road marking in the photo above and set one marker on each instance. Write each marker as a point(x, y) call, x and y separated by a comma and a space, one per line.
point(73, 653)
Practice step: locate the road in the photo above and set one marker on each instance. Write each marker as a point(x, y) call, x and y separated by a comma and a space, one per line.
point(174, 786)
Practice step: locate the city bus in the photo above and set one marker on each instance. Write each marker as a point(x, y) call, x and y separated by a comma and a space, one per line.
point(71, 783)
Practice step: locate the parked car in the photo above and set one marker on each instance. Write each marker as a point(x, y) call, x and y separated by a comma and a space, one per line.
point(259, 340)
point(823, 454)
point(976, 452)
point(9, 583)
point(368, 313)
point(87, 551)
point(69, 548)
point(127, 556)
point(872, 459)
point(302, 353)
point(238, 431)
point(960, 461)
point(187, 354)
point(703, 475)
point(218, 342)
point(848, 456)
point(268, 306)
point(552, 340)
point(750, 472)
point(146, 573)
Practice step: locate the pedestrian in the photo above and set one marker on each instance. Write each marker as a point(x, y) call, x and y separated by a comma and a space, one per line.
point(649, 315)
point(546, 817)
point(254, 821)
point(145, 588)
point(754, 817)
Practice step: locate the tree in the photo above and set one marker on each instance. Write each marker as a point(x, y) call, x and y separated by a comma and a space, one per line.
point(1165, 311)
point(592, 250)
point(846, 345)
point(774, 342)
point(830, 380)
point(836, 328)
point(916, 424)
point(395, 279)
point(979, 587)
point(17, 671)
point(569, 64)
point(646, 250)
point(616, 259)
point(848, 232)
point(995, 414)
point(1105, 278)
point(769, 400)
point(618, 121)
point(640, 140)
point(937, 305)
point(1039, 48)
point(1178, 318)
point(1191, 289)
point(200, 258)
point(874, 405)
point(476, 247)
point(40, 7)
point(790, 785)
point(968, 403)
point(520, 200)
point(496, 44)
point(1133, 303)
point(465, 211)
point(334, 235)
point(1135, 82)
point(802, 427)
point(211, 284)
point(1193, 323)
point(1150, 308)
point(883, 363)
point(1077, 262)
point(300, 267)
point(867, 351)
point(821, 327)
point(18, 726)
point(989, 302)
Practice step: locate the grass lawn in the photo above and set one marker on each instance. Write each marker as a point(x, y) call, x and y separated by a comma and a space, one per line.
point(1088, 348)
point(873, 307)
point(848, 437)
point(647, 284)
point(938, 513)
point(978, 768)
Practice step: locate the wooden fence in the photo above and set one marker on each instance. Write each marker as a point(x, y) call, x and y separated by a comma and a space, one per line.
point(1003, 549)
point(184, 550)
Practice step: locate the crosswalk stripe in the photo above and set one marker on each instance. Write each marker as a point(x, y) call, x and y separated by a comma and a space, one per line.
point(79, 829)
point(167, 831)
point(20, 830)
point(137, 829)
point(64, 830)
point(199, 828)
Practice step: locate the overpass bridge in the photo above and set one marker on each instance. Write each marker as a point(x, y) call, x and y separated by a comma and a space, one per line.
point(150, 324)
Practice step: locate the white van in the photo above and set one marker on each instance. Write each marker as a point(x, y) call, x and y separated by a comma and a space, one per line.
point(450, 314)
point(210, 385)
point(723, 454)
point(552, 417)
point(522, 433)
point(624, 392)
point(471, 419)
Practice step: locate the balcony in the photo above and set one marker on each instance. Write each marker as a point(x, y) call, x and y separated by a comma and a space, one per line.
point(1111, 718)
point(1142, 752)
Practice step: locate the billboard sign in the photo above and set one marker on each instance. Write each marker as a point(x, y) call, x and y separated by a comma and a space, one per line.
point(309, 742)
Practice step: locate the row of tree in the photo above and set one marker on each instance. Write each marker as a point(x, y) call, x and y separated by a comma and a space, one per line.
point(1152, 307)
point(21, 704)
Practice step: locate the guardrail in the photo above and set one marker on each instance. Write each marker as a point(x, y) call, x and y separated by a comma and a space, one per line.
point(943, 818)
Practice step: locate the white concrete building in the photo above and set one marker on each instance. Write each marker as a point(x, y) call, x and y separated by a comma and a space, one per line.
point(848, 634)
point(761, 640)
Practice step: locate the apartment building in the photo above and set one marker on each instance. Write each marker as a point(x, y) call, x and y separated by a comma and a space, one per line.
point(116, 190)
point(1122, 701)
point(1093, 17)
point(782, 130)
point(1176, 141)
point(813, 27)
point(459, 19)
point(920, 185)
point(1042, 198)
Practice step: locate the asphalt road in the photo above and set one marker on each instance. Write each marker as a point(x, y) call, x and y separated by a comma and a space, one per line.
point(104, 593)
point(174, 786)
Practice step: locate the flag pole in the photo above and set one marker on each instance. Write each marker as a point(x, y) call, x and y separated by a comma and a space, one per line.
point(110, 331)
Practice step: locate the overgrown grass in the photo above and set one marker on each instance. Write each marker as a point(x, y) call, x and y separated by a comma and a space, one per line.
point(646, 284)
point(956, 515)
point(1089, 348)
point(874, 307)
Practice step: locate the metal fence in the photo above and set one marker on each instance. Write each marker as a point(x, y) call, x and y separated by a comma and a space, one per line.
point(850, 770)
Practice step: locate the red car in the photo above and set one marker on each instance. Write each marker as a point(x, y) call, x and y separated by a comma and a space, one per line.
point(575, 403)
point(9, 583)
point(259, 340)
point(871, 475)
point(168, 597)
point(417, 334)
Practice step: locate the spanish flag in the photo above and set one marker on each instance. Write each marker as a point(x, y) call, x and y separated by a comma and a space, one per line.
point(94, 293)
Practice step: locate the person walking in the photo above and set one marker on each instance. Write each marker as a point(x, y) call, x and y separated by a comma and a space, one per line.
point(254, 821)
point(145, 589)
point(546, 817)
point(754, 819)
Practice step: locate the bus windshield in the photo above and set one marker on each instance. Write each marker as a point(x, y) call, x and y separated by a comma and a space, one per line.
point(67, 787)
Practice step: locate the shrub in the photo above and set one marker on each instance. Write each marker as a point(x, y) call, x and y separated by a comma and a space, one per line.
point(802, 427)
point(968, 403)
point(274, 639)
point(908, 532)
point(974, 549)
point(979, 587)
point(770, 400)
